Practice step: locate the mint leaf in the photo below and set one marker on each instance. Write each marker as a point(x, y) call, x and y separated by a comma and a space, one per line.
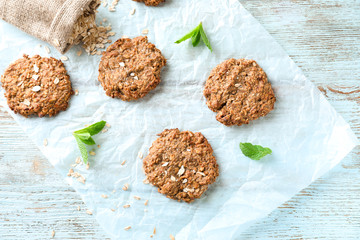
point(204, 37)
point(83, 136)
point(92, 129)
point(196, 35)
point(83, 150)
point(189, 35)
point(255, 152)
point(195, 39)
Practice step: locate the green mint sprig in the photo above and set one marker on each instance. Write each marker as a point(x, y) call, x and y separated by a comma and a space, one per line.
point(255, 152)
point(196, 35)
point(83, 136)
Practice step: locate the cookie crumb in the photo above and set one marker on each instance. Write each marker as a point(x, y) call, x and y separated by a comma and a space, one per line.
point(146, 202)
point(140, 155)
point(104, 130)
point(78, 160)
point(172, 237)
point(126, 206)
point(92, 153)
point(125, 187)
point(146, 181)
point(123, 162)
point(137, 197)
point(89, 212)
point(79, 53)
point(78, 208)
point(145, 31)
point(112, 209)
point(76, 92)
point(104, 196)
point(71, 171)
point(154, 232)
point(127, 228)
point(64, 58)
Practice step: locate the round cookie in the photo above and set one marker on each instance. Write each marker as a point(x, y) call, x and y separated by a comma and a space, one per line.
point(181, 164)
point(37, 86)
point(150, 2)
point(239, 91)
point(130, 68)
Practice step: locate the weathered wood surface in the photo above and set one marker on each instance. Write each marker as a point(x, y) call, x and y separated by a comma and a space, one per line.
point(323, 38)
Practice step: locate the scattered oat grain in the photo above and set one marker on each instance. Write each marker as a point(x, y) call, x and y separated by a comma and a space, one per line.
point(64, 58)
point(52, 234)
point(79, 53)
point(92, 153)
point(104, 130)
point(126, 206)
point(132, 12)
point(56, 42)
point(140, 155)
point(108, 125)
point(172, 237)
point(89, 212)
point(45, 142)
point(127, 228)
point(78, 208)
point(145, 31)
point(78, 160)
point(123, 162)
point(154, 232)
point(47, 49)
point(76, 92)
point(137, 197)
point(104, 196)
point(146, 202)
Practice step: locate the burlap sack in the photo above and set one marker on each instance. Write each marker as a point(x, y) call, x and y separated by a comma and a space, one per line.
point(49, 20)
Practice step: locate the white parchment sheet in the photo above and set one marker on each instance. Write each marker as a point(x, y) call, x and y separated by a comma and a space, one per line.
point(307, 136)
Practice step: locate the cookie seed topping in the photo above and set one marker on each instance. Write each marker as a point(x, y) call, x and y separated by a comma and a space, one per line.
point(56, 81)
point(165, 164)
point(184, 181)
point(173, 178)
point(122, 64)
point(36, 88)
point(132, 12)
point(35, 77)
point(36, 69)
point(127, 228)
point(181, 171)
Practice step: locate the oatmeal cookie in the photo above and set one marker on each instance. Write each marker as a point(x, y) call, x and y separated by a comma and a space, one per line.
point(239, 91)
point(150, 2)
point(130, 68)
point(37, 86)
point(181, 164)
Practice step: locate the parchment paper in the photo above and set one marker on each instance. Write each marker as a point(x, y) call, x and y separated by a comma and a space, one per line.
point(306, 135)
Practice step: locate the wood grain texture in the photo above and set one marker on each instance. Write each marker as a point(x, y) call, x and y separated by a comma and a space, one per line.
point(323, 38)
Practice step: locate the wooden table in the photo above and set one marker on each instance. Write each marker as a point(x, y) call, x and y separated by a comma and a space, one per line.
point(323, 38)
